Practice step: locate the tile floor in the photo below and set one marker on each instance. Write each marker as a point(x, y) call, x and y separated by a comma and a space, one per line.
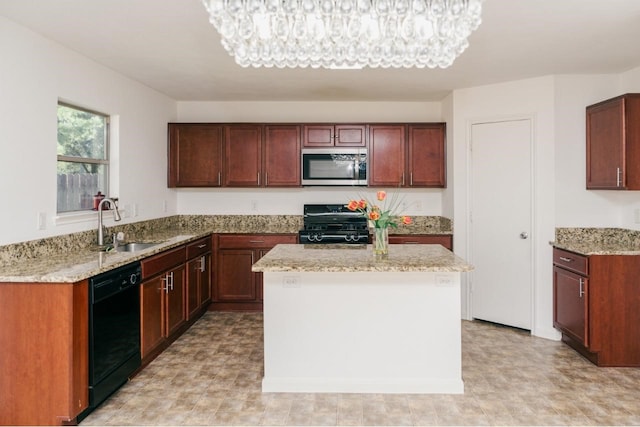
point(211, 376)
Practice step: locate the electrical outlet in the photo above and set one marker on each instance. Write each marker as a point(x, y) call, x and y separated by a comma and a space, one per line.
point(636, 216)
point(290, 282)
point(419, 206)
point(254, 205)
point(164, 206)
point(127, 211)
point(42, 220)
point(134, 210)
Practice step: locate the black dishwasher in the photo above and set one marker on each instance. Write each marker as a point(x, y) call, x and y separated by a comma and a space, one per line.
point(114, 331)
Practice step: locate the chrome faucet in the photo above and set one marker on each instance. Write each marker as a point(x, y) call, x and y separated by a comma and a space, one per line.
point(116, 217)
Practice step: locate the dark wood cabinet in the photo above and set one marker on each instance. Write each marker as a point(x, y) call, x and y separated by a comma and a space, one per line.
point(281, 156)
point(426, 158)
point(162, 299)
point(198, 277)
point(236, 286)
point(596, 306)
point(387, 155)
point(407, 156)
point(243, 155)
point(195, 155)
point(613, 144)
point(339, 135)
point(445, 240)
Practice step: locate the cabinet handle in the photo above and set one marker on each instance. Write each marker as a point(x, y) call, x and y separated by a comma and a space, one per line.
point(256, 241)
point(165, 279)
point(411, 179)
point(565, 259)
point(266, 179)
point(410, 243)
point(581, 287)
point(202, 245)
point(218, 179)
point(202, 264)
point(402, 179)
point(171, 280)
point(258, 179)
point(618, 177)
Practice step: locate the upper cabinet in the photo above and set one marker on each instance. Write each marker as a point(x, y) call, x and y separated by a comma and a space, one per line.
point(195, 155)
point(407, 156)
point(323, 135)
point(613, 144)
point(234, 155)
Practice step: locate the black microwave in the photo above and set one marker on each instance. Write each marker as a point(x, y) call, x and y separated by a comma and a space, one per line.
point(334, 166)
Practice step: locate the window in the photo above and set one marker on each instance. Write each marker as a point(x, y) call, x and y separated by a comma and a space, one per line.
point(83, 157)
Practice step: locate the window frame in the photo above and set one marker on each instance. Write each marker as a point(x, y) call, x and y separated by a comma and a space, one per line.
point(74, 159)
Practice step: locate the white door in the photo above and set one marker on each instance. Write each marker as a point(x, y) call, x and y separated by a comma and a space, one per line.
point(501, 223)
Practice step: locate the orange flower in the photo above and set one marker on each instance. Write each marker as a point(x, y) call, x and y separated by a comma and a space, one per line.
point(353, 205)
point(374, 215)
point(362, 204)
point(406, 220)
point(381, 195)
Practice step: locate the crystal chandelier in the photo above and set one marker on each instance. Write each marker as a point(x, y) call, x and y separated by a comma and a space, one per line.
point(345, 33)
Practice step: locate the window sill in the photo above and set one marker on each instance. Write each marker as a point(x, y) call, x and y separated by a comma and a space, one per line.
point(82, 216)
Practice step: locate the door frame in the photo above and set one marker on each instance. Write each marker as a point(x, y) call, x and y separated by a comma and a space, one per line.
point(533, 204)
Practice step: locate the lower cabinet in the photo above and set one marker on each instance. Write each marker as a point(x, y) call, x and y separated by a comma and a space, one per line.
point(596, 306)
point(175, 291)
point(445, 240)
point(237, 288)
point(198, 277)
point(162, 299)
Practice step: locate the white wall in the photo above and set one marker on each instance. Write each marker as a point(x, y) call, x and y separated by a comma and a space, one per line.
point(290, 201)
point(34, 75)
point(532, 98)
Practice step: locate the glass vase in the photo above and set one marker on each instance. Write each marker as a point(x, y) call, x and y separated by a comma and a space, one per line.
point(380, 242)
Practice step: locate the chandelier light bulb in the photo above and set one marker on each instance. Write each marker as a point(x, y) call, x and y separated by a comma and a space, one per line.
point(345, 33)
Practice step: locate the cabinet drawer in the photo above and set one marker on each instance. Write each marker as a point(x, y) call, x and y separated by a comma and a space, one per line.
point(228, 241)
point(198, 247)
point(424, 239)
point(163, 261)
point(571, 261)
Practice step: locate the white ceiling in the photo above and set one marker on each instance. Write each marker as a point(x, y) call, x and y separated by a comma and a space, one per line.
point(170, 46)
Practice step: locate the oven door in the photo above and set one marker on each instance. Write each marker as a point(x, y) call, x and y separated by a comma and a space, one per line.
point(334, 167)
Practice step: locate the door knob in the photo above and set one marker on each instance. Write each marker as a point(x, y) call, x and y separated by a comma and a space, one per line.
point(524, 235)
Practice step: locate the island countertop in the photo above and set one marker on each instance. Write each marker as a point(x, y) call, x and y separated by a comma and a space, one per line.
point(359, 258)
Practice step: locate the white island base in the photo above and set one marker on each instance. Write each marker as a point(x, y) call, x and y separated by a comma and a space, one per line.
point(362, 332)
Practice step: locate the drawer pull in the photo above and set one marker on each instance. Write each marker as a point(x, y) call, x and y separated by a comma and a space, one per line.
point(581, 287)
point(565, 259)
point(204, 245)
point(256, 241)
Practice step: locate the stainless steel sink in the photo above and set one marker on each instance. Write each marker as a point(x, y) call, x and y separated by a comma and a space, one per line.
point(135, 246)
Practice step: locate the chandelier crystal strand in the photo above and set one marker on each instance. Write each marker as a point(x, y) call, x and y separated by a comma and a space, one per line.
point(345, 33)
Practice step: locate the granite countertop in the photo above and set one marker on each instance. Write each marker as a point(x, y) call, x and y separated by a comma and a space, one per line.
point(358, 258)
point(74, 257)
point(81, 264)
point(598, 241)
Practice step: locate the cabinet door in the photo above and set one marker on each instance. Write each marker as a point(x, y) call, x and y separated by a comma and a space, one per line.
point(570, 308)
point(317, 135)
point(282, 156)
point(426, 155)
point(605, 145)
point(350, 135)
point(386, 155)
point(259, 277)
point(193, 286)
point(243, 155)
point(205, 280)
point(175, 300)
point(195, 155)
point(151, 315)
point(235, 280)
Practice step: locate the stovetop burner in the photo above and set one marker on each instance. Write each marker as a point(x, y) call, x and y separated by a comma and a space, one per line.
point(333, 224)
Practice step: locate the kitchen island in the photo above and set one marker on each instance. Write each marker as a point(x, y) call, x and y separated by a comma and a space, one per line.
point(338, 320)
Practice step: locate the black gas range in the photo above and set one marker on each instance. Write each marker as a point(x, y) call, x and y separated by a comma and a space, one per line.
point(333, 224)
